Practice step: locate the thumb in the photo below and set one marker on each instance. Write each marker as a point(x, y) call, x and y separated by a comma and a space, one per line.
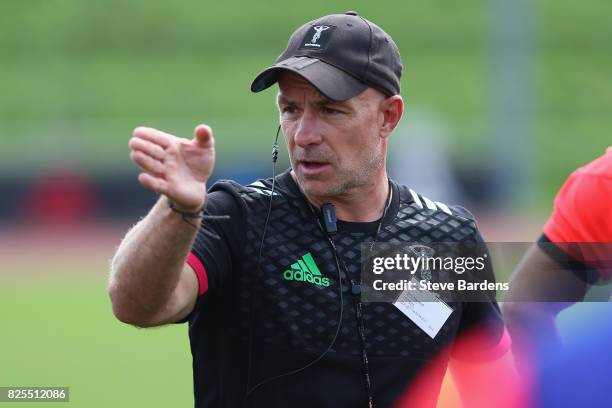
point(203, 136)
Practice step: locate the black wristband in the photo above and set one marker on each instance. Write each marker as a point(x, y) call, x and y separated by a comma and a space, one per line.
point(197, 214)
point(186, 215)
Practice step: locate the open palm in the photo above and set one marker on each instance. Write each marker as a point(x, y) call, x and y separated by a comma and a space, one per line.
point(173, 166)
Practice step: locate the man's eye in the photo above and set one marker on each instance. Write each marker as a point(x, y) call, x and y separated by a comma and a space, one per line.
point(331, 111)
point(289, 109)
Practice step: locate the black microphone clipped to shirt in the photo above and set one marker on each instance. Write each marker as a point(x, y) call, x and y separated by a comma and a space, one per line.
point(329, 218)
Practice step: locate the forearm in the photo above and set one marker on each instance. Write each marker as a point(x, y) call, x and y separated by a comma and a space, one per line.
point(533, 328)
point(147, 265)
point(539, 289)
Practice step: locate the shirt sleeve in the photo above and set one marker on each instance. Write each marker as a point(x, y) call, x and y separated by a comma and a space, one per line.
point(582, 210)
point(580, 225)
point(482, 335)
point(214, 259)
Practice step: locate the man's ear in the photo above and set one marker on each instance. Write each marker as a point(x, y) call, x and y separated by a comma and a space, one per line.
point(392, 109)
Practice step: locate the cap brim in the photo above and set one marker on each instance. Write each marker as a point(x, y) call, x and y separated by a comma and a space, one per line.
point(332, 82)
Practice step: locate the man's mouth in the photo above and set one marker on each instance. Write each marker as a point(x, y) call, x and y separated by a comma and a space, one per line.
point(312, 167)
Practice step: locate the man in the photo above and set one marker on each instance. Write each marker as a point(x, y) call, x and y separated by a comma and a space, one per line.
point(272, 295)
point(573, 253)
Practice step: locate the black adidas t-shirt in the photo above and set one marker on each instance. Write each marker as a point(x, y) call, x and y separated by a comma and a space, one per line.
point(254, 323)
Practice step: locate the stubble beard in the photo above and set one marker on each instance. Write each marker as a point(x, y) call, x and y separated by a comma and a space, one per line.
point(351, 179)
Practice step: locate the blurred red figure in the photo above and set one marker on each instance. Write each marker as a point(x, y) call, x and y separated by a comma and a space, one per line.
point(573, 253)
point(60, 197)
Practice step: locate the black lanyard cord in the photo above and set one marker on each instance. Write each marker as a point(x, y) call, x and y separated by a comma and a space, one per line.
point(356, 291)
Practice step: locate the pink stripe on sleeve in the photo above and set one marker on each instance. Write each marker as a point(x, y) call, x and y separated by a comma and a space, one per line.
point(196, 265)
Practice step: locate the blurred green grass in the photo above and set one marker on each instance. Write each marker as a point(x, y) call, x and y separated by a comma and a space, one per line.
point(78, 76)
point(58, 330)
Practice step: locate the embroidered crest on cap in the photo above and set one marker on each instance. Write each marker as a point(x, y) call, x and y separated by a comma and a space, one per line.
point(317, 37)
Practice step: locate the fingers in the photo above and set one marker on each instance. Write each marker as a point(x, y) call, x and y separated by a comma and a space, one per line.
point(153, 183)
point(155, 136)
point(203, 136)
point(148, 152)
point(147, 163)
point(151, 149)
point(168, 161)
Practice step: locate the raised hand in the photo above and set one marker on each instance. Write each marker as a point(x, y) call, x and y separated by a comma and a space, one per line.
point(173, 166)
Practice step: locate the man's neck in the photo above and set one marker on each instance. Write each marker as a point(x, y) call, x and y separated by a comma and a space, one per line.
point(365, 204)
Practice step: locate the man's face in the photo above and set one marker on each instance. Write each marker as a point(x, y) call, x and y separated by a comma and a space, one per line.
point(334, 147)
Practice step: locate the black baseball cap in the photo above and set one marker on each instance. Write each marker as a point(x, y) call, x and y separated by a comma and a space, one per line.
point(340, 55)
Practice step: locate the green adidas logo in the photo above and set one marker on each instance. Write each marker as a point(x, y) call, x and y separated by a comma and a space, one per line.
point(306, 270)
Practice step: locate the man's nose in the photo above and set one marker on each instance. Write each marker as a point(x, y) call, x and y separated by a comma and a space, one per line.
point(308, 132)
